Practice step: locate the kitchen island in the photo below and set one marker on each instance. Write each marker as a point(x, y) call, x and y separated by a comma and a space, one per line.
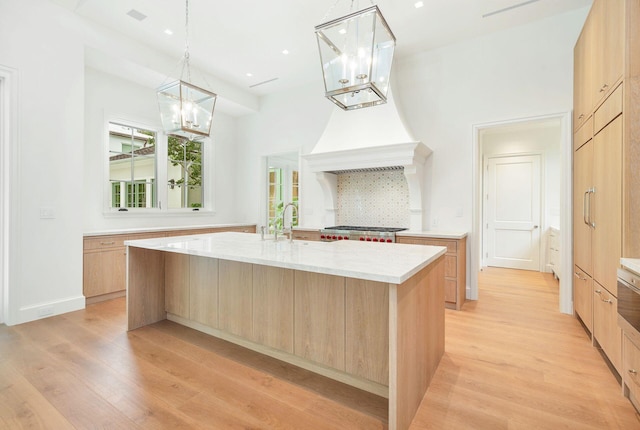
point(369, 315)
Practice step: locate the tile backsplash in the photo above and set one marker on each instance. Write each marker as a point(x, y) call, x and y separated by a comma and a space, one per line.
point(379, 199)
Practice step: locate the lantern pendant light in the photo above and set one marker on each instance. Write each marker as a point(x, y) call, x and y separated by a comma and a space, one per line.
point(185, 109)
point(356, 52)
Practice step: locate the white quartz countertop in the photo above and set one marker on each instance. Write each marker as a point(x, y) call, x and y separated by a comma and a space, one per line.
point(154, 229)
point(389, 262)
point(633, 264)
point(433, 234)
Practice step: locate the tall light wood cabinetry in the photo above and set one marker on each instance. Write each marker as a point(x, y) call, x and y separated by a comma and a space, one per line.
point(600, 100)
point(104, 265)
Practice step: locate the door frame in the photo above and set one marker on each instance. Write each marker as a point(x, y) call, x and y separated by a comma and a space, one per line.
point(566, 204)
point(8, 174)
point(484, 244)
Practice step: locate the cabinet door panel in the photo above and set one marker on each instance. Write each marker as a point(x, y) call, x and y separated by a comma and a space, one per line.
point(203, 290)
point(319, 318)
point(583, 297)
point(582, 183)
point(273, 307)
point(235, 298)
point(607, 205)
point(176, 283)
point(104, 272)
point(367, 329)
point(605, 325)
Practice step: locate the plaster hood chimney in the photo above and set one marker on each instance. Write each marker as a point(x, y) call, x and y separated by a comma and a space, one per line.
point(369, 139)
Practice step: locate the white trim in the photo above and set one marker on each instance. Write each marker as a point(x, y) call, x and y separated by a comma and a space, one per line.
point(9, 209)
point(566, 204)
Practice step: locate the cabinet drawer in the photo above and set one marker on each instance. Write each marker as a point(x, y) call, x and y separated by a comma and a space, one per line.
point(631, 367)
point(611, 108)
point(104, 242)
point(450, 290)
point(451, 245)
point(450, 266)
point(306, 235)
point(605, 324)
point(584, 134)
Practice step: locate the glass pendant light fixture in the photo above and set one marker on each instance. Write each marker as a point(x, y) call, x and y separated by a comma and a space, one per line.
point(356, 52)
point(185, 109)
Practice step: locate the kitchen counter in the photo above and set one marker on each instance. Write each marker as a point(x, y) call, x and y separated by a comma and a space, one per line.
point(156, 229)
point(433, 234)
point(365, 314)
point(633, 264)
point(394, 264)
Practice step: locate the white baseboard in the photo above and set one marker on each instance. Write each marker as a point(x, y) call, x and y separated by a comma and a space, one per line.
point(44, 310)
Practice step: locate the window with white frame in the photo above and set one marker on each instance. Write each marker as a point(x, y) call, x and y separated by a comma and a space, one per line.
point(140, 158)
point(282, 188)
point(132, 166)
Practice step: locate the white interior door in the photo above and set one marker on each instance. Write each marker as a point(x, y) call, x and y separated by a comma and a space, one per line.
point(512, 212)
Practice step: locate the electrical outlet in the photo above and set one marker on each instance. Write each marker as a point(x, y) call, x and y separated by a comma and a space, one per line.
point(434, 222)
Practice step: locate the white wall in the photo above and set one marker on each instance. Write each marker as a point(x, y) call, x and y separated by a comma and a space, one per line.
point(46, 260)
point(108, 95)
point(289, 121)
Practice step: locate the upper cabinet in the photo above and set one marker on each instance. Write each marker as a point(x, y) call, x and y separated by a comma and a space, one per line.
point(598, 57)
point(608, 56)
point(582, 77)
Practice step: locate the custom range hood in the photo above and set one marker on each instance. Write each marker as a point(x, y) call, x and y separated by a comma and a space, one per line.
point(368, 140)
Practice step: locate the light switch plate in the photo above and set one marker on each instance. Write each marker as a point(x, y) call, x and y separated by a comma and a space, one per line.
point(47, 213)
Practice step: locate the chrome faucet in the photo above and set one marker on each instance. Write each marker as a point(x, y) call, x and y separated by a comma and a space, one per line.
point(295, 208)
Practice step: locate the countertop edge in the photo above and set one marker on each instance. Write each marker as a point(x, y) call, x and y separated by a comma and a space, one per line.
point(156, 229)
point(632, 264)
point(153, 244)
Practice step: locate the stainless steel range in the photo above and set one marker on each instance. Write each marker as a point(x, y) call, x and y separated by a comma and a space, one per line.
point(364, 234)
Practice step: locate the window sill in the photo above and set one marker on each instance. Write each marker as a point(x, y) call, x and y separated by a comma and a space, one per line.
point(157, 213)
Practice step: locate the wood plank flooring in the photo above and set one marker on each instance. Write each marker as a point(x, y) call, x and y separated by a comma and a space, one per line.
point(511, 362)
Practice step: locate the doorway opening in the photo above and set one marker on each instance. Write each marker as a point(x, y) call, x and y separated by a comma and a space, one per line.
point(522, 198)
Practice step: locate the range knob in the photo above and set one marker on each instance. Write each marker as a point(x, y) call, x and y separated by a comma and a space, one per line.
point(322, 236)
point(333, 237)
point(368, 239)
point(389, 241)
point(339, 237)
point(346, 238)
point(362, 239)
point(375, 239)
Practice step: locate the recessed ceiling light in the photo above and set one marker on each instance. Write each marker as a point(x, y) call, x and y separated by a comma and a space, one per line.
point(342, 31)
point(418, 4)
point(168, 32)
point(135, 14)
point(285, 52)
point(249, 74)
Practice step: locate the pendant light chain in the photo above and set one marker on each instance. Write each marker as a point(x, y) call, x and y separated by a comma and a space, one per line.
point(186, 44)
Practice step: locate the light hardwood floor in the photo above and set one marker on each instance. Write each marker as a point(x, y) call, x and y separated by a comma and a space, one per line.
point(511, 362)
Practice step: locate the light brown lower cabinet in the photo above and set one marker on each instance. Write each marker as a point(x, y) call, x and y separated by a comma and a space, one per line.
point(583, 297)
point(455, 266)
point(606, 331)
point(631, 366)
point(105, 262)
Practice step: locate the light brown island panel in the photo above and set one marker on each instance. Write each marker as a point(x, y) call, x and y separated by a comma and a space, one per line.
point(384, 338)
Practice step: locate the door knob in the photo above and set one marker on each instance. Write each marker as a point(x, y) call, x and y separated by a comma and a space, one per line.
point(535, 226)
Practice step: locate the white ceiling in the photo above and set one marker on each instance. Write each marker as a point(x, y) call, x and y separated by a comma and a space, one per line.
point(231, 38)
